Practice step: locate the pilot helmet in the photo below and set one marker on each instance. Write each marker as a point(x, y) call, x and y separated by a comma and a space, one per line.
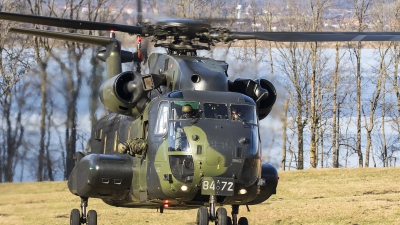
point(186, 109)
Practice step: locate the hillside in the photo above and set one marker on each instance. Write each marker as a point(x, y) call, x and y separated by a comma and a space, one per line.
point(322, 196)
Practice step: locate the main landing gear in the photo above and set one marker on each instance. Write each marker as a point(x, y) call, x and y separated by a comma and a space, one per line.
point(220, 216)
point(76, 218)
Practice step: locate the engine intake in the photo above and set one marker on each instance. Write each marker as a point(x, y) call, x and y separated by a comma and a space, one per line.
point(260, 90)
point(127, 93)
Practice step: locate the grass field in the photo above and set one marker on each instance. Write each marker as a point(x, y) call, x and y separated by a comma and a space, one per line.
point(322, 196)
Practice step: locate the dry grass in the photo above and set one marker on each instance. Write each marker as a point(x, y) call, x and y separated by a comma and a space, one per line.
point(322, 196)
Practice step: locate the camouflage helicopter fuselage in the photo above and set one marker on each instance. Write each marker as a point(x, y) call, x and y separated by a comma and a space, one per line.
point(219, 156)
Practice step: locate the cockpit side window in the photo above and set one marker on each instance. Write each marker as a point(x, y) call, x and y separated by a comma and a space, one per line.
point(215, 111)
point(177, 139)
point(162, 119)
point(243, 113)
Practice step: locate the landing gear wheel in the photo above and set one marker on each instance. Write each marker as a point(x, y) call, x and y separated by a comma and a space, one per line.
point(229, 221)
point(222, 218)
point(202, 216)
point(92, 217)
point(243, 221)
point(75, 217)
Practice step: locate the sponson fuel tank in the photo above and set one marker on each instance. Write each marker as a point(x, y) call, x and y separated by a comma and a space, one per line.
point(101, 176)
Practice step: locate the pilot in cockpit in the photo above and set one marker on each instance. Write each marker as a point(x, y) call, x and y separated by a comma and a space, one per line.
point(187, 112)
point(236, 116)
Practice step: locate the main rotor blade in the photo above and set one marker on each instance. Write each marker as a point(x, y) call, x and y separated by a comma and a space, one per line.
point(81, 38)
point(315, 36)
point(139, 18)
point(68, 23)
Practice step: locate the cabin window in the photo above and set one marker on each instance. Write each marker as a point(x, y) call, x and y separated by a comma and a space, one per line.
point(166, 63)
point(115, 141)
point(215, 111)
point(129, 132)
point(162, 119)
point(105, 144)
point(146, 130)
point(98, 134)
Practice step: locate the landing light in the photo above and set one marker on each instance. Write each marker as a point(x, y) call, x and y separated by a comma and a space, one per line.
point(184, 188)
point(242, 191)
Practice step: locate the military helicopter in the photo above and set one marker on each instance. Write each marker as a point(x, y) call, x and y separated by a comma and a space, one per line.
point(168, 141)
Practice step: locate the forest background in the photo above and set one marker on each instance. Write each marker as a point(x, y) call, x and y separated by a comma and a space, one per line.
point(338, 103)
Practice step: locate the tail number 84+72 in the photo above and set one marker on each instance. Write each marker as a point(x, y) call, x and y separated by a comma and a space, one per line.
point(217, 186)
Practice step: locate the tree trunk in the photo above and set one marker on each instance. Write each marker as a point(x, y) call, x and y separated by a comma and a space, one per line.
point(313, 119)
point(361, 7)
point(335, 147)
point(358, 77)
point(373, 106)
point(300, 144)
point(284, 135)
point(43, 95)
point(384, 146)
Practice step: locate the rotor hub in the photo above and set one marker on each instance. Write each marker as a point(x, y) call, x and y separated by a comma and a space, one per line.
point(181, 28)
point(182, 33)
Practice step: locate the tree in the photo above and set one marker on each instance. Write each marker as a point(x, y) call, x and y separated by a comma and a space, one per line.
point(293, 62)
point(317, 10)
point(360, 11)
point(192, 9)
point(376, 95)
point(14, 65)
point(43, 160)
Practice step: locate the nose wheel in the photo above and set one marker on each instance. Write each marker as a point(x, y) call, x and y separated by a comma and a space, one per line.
point(220, 217)
point(76, 218)
point(202, 216)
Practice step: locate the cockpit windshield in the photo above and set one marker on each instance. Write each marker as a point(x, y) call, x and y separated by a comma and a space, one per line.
point(215, 111)
point(243, 113)
point(185, 110)
point(185, 114)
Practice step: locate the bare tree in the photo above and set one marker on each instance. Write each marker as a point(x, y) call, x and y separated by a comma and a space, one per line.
point(193, 9)
point(14, 65)
point(293, 62)
point(36, 8)
point(317, 9)
point(360, 11)
point(335, 147)
point(376, 95)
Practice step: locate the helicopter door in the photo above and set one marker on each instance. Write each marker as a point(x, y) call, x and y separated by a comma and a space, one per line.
point(158, 140)
point(157, 146)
